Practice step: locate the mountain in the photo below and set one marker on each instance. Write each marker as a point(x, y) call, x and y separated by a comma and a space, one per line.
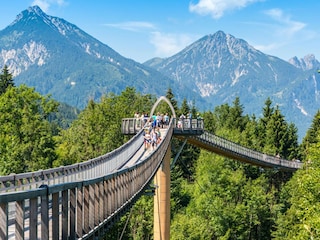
point(58, 58)
point(220, 67)
point(309, 62)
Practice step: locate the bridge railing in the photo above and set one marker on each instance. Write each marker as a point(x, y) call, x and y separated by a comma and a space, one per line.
point(131, 126)
point(79, 209)
point(248, 155)
point(80, 171)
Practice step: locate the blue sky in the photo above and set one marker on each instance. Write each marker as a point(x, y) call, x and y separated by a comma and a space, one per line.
point(143, 29)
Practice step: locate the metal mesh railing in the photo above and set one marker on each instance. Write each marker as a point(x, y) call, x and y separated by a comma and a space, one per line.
point(246, 154)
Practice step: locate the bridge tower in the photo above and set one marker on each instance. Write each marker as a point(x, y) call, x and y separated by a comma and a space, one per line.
point(161, 222)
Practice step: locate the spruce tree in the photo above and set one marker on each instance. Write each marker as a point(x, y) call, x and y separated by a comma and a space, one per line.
point(311, 136)
point(172, 100)
point(184, 107)
point(6, 80)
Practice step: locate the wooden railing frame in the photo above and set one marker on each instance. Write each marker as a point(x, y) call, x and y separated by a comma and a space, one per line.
point(95, 167)
point(88, 207)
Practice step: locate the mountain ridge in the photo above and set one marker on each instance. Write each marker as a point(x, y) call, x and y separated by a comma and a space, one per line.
point(54, 56)
point(58, 58)
point(222, 67)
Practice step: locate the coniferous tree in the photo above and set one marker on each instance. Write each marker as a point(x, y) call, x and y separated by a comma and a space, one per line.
point(250, 135)
point(210, 121)
point(311, 135)
point(291, 145)
point(276, 130)
point(184, 109)
point(221, 114)
point(6, 80)
point(267, 112)
point(194, 110)
point(172, 100)
point(235, 119)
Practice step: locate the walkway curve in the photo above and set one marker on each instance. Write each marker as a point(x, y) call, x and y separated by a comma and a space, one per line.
point(167, 101)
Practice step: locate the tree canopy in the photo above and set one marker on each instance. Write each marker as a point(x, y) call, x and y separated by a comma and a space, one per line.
point(212, 197)
point(26, 139)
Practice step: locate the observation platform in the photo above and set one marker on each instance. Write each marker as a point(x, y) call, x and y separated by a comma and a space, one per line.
point(185, 127)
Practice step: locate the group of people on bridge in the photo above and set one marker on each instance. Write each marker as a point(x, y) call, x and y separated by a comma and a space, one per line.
point(152, 125)
point(156, 120)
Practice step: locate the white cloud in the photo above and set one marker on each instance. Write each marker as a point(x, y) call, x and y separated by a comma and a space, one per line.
point(132, 26)
point(282, 32)
point(169, 44)
point(269, 47)
point(45, 4)
point(286, 27)
point(216, 8)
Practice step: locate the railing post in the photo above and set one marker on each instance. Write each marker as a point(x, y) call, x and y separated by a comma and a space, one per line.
point(91, 207)
point(96, 203)
point(33, 218)
point(3, 220)
point(101, 201)
point(45, 214)
point(80, 212)
point(65, 214)
point(73, 202)
point(86, 208)
point(55, 216)
point(19, 220)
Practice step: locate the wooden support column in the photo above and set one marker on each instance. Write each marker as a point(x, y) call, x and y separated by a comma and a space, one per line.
point(161, 225)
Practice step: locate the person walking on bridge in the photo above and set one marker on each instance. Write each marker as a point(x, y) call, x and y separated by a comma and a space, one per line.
point(154, 138)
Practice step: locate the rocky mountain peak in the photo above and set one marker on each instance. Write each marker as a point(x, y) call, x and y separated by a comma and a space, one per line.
point(306, 63)
point(224, 45)
point(36, 10)
point(30, 14)
point(34, 15)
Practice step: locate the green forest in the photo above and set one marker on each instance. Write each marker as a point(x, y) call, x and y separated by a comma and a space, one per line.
point(212, 197)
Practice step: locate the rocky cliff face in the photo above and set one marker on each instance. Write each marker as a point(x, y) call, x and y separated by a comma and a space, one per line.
point(309, 62)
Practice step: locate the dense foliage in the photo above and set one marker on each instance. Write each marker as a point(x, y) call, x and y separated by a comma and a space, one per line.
point(212, 197)
point(97, 130)
point(26, 136)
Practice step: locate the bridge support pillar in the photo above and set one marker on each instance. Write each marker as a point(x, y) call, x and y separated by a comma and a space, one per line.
point(161, 225)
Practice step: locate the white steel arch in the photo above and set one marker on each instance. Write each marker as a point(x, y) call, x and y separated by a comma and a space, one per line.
point(167, 101)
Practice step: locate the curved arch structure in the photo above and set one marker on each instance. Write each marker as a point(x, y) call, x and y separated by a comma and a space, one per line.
point(167, 101)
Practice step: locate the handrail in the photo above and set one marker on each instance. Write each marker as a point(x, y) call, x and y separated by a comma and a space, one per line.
point(98, 166)
point(86, 206)
point(131, 126)
point(225, 147)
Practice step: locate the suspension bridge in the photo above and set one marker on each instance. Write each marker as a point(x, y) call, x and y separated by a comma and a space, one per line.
point(83, 200)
